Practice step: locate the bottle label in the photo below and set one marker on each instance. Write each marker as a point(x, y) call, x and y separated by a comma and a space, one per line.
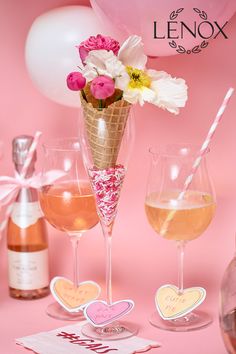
point(26, 214)
point(28, 270)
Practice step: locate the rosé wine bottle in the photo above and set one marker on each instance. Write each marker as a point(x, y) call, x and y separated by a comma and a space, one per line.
point(28, 273)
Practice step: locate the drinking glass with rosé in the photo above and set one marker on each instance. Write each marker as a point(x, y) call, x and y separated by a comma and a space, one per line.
point(68, 204)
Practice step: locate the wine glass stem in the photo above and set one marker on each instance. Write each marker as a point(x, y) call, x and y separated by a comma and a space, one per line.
point(108, 270)
point(107, 232)
point(74, 242)
point(181, 248)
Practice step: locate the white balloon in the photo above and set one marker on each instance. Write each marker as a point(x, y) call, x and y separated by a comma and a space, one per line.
point(50, 51)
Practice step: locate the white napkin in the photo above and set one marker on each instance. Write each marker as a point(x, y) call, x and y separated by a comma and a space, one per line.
point(69, 339)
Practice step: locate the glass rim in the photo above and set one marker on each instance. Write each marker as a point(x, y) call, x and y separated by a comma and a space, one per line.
point(191, 150)
point(55, 144)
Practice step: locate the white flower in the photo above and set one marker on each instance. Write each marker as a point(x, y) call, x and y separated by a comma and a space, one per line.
point(131, 53)
point(171, 93)
point(103, 62)
point(138, 89)
point(156, 87)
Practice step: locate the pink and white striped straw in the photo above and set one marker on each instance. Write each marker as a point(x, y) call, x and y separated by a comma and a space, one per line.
point(28, 160)
point(200, 156)
point(30, 154)
point(207, 141)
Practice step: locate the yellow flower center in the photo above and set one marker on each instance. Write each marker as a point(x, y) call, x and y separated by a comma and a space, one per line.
point(138, 78)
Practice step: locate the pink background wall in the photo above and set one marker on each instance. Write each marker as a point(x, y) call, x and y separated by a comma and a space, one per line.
point(142, 260)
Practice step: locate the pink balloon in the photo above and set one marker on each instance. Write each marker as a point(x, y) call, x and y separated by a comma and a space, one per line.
point(137, 17)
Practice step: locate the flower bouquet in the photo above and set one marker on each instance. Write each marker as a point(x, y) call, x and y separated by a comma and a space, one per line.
point(113, 78)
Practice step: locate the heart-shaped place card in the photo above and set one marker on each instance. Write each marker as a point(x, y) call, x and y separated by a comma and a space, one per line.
point(171, 304)
point(99, 313)
point(72, 298)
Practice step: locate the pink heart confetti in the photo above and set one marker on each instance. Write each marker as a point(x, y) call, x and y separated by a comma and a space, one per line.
point(107, 186)
point(99, 313)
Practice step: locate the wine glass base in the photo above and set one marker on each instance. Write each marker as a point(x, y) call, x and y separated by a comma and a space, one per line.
point(56, 311)
point(113, 331)
point(191, 322)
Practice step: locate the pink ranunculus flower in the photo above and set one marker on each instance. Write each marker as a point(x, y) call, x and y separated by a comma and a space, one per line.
point(75, 81)
point(96, 43)
point(102, 87)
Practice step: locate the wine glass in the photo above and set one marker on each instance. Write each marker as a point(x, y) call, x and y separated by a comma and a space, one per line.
point(228, 306)
point(106, 152)
point(68, 203)
point(179, 219)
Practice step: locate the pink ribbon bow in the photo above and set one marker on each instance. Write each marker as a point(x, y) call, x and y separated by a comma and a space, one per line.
point(10, 187)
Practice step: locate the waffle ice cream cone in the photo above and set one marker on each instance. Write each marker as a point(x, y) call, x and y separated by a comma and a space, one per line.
point(105, 129)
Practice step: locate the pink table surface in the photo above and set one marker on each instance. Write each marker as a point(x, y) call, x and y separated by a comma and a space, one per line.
point(19, 319)
point(22, 318)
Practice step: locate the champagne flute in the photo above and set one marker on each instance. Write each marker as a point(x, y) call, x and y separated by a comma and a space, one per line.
point(68, 204)
point(179, 219)
point(106, 160)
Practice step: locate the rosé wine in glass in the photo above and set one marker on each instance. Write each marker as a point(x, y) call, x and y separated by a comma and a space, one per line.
point(69, 206)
